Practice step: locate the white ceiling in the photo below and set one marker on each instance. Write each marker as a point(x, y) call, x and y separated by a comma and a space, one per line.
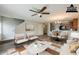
point(21, 11)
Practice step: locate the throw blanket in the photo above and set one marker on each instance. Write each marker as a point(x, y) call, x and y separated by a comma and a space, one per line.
point(73, 47)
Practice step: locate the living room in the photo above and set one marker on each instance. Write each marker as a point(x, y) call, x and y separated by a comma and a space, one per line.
point(39, 29)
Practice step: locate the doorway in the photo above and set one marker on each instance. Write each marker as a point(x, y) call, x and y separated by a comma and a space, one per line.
point(45, 29)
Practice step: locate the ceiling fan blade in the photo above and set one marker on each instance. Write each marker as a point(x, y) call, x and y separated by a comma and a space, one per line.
point(42, 9)
point(32, 10)
point(34, 14)
point(45, 13)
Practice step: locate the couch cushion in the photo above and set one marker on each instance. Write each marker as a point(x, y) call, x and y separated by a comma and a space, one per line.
point(21, 41)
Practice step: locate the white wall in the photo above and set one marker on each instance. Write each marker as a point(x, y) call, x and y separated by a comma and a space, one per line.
point(20, 28)
point(37, 28)
point(48, 29)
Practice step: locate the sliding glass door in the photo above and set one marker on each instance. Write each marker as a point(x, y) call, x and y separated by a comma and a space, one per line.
point(7, 27)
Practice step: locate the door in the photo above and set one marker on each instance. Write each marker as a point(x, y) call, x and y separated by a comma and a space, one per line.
point(45, 29)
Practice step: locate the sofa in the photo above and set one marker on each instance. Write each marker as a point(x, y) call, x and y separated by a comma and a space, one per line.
point(72, 45)
point(20, 38)
point(60, 35)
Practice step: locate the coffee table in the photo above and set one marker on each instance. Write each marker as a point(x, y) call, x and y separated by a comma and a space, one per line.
point(53, 49)
point(37, 47)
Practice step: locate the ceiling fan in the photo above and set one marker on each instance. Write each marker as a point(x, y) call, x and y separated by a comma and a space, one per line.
point(40, 12)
